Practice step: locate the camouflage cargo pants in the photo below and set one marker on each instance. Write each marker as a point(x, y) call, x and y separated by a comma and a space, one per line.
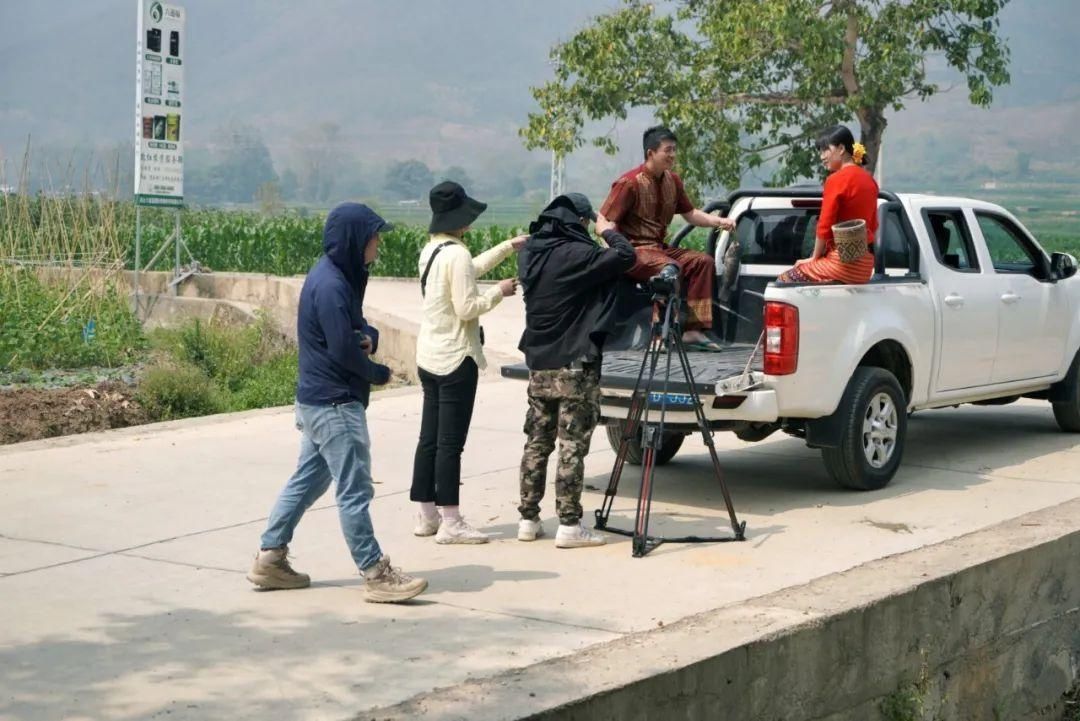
point(563, 404)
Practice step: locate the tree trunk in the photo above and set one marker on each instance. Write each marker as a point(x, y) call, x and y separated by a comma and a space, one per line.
point(872, 124)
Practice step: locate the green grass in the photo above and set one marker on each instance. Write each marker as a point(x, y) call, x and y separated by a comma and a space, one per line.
point(203, 369)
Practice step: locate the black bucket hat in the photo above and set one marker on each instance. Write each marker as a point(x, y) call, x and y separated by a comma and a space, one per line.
point(451, 208)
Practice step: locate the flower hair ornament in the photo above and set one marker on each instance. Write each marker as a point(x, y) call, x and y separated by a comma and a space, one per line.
point(858, 153)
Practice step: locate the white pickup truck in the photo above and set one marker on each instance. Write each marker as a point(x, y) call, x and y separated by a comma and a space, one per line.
point(964, 307)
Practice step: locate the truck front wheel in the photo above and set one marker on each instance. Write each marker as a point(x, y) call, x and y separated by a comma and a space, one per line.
point(669, 446)
point(1067, 410)
point(873, 430)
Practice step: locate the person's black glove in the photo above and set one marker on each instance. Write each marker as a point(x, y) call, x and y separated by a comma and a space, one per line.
point(382, 374)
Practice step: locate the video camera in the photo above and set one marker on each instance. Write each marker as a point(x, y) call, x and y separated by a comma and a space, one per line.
point(667, 282)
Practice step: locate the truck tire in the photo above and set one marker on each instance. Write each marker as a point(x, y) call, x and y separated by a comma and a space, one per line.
point(874, 427)
point(670, 446)
point(1067, 411)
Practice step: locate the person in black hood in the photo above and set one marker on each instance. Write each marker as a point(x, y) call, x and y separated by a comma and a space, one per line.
point(336, 374)
point(568, 282)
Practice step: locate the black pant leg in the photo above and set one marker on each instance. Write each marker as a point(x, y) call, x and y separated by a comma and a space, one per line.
point(423, 482)
point(457, 397)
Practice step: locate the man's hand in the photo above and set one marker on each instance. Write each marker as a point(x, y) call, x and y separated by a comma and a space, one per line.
point(518, 241)
point(365, 344)
point(508, 287)
point(603, 224)
point(723, 223)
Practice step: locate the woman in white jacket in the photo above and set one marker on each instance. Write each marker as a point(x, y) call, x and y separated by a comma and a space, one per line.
point(450, 356)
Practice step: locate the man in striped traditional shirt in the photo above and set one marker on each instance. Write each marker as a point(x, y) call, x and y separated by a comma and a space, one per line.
point(642, 204)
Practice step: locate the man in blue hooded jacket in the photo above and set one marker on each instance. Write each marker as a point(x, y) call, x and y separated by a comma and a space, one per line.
point(336, 375)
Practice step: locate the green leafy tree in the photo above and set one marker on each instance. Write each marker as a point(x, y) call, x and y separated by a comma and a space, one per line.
point(409, 179)
point(268, 196)
point(244, 164)
point(290, 184)
point(319, 161)
point(749, 83)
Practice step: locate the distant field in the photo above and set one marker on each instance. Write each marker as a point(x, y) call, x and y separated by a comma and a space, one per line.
point(513, 214)
point(1050, 212)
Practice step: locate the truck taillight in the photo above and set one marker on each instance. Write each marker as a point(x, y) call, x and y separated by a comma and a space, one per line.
point(781, 339)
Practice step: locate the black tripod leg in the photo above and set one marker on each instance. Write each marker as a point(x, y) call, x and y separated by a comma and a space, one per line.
point(632, 421)
point(739, 528)
point(652, 436)
point(638, 404)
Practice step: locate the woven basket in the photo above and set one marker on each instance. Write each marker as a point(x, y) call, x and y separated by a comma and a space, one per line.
point(850, 239)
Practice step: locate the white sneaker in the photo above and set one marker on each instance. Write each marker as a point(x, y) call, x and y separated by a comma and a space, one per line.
point(577, 537)
point(530, 530)
point(458, 531)
point(426, 526)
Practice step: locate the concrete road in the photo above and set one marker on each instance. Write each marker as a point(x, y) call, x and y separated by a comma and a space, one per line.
point(122, 556)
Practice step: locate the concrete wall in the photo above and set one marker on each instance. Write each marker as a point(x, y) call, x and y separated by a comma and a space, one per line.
point(236, 297)
point(982, 628)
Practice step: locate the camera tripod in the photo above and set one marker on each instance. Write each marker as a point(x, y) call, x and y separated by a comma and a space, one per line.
point(665, 334)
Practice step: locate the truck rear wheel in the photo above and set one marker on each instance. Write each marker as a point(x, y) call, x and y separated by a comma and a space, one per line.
point(874, 427)
point(1067, 411)
point(671, 444)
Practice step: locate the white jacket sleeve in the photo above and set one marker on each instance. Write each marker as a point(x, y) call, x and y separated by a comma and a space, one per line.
point(490, 258)
point(468, 300)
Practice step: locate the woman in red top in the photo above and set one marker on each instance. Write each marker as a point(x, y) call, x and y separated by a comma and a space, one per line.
point(851, 193)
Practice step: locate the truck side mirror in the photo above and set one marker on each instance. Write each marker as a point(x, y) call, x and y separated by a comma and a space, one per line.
point(1062, 266)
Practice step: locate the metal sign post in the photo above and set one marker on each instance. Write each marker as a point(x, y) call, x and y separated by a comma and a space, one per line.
point(138, 259)
point(159, 150)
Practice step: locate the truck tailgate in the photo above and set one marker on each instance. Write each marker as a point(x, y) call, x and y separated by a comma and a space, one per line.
point(621, 368)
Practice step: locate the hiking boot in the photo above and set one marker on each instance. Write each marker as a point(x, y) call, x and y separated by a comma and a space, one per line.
point(272, 571)
point(456, 530)
point(385, 584)
point(426, 526)
point(529, 530)
point(577, 536)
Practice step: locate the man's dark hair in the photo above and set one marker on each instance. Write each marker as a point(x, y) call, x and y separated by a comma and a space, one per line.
point(654, 136)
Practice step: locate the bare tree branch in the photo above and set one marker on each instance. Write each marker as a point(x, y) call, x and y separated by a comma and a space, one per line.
point(775, 99)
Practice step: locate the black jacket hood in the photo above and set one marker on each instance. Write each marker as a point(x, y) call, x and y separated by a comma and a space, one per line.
point(348, 230)
point(557, 225)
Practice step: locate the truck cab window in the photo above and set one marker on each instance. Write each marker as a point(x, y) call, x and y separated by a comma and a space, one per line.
point(951, 240)
point(1009, 251)
point(778, 236)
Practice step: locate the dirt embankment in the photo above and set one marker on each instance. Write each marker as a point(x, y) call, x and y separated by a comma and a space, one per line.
point(31, 413)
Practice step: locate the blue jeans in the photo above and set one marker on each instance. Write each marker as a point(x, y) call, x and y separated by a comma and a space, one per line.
point(336, 445)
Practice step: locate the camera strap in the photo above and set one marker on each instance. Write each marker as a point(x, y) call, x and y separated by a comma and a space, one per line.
point(427, 269)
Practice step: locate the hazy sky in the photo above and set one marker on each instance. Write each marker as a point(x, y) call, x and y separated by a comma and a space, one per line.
point(446, 81)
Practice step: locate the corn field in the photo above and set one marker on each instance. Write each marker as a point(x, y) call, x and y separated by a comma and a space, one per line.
point(284, 245)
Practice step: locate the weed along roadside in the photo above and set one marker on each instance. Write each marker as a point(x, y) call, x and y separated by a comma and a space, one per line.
point(195, 369)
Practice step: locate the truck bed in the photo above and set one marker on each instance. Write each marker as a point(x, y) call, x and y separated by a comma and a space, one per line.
point(621, 368)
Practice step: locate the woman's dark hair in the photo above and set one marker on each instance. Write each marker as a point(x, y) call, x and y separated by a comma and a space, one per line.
point(654, 136)
point(837, 135)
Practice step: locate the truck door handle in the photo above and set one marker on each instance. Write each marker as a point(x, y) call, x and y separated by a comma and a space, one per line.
point(1009, 298)
point(954, 301)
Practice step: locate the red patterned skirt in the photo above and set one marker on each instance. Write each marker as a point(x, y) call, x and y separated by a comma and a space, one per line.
point(829, 269)
point(698, 272)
